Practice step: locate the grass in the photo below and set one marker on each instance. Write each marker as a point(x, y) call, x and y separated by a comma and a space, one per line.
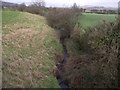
point(29, 47)
point(10, 17)
point(90, 20)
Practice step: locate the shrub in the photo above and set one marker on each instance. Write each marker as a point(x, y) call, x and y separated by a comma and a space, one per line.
point(80, 39)
point(100, 68)
point(104, 41)
point(63, 20)
point(22, 7)
point(36, 9)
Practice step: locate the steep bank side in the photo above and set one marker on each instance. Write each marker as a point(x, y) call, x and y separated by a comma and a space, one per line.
point(29, 47)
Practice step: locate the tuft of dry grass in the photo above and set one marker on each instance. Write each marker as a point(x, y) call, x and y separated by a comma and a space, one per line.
point(29, 49)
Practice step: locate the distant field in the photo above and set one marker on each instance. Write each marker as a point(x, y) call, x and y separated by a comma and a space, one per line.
point(29, 47)
point(89, 20)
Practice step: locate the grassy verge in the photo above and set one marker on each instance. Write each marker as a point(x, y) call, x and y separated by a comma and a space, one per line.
point(90, 20)
point(29, 47)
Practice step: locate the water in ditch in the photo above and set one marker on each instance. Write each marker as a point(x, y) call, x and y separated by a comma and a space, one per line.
point(61, 66)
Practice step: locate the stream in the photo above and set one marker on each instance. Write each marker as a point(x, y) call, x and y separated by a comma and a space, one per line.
point(61, 66)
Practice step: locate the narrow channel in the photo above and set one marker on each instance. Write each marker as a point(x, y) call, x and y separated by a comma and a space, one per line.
point(61, 66)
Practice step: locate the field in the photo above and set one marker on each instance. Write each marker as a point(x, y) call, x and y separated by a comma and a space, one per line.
point(90, 20)
point(29, 47)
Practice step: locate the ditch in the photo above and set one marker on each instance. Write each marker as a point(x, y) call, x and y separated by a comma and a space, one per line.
point(61, 65)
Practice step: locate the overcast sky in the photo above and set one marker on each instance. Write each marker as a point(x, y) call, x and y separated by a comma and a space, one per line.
point(106, 3)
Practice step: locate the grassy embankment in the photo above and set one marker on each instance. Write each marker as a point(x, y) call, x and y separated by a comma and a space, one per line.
point(29, 47)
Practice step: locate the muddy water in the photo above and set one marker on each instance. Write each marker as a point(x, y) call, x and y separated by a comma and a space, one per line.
point(61, 66)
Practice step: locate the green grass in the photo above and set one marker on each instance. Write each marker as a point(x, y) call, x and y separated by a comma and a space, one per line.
point(29, 47)
point(10, 17)
point(90, 20)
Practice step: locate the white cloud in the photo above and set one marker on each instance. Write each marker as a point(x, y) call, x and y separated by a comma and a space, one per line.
point(70, 2)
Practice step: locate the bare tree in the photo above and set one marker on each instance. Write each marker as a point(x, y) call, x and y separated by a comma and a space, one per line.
point(37, 7)
point(39, 3)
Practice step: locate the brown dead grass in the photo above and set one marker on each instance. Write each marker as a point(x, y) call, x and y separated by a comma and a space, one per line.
point(26, 59)
point(21, 68)
point(77, 69)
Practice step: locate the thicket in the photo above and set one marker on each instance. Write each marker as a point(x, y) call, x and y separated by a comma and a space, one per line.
point(35, 9)
point(98, 67)
point(63, 20)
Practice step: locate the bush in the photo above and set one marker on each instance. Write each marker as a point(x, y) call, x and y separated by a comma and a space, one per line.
point(98, 69)
point(34, 9)
point(104, 41)
point(80, 39)
point(22, 7)
point(63, 20)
